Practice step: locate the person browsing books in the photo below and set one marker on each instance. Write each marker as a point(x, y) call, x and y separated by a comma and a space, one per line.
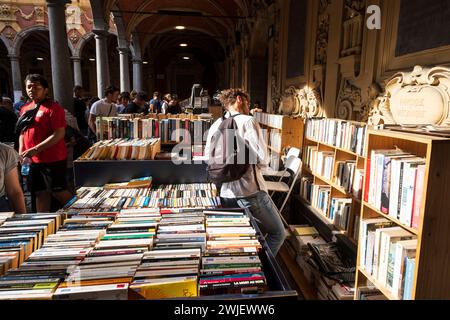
point(249, 191)
point(138, 104)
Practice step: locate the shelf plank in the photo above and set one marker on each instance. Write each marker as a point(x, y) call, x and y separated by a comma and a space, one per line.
point(396, 221)
point(387, 293)
point(334, 147)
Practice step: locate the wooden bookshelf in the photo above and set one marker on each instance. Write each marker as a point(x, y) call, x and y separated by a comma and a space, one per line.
point(290, 130)
point(337, 191)
point(432, 274)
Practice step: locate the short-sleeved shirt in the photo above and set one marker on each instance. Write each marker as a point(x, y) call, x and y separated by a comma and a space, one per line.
point(49, 118)
point(9, 159)
point(101, 108)
point(157, 104)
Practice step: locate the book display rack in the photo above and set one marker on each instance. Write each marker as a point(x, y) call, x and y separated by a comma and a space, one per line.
point(280, 132)
point(404, 244)
point(333, 168)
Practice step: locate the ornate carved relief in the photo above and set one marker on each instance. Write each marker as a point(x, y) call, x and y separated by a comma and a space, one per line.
point(305, 102)
point(419, 97)
point(322, 33)
point(349, 101)
point(353, 27)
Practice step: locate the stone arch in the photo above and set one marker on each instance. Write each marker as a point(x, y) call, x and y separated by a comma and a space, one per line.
point(22, 35)
point(81, 44)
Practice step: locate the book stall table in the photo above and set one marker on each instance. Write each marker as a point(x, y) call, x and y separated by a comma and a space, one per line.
point(99, 173)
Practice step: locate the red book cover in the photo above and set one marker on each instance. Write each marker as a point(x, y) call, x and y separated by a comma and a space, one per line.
point(418, 195)
point(367, 181)
point(157, 129)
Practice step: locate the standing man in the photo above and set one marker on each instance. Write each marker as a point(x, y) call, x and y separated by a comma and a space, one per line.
point(138, 104)
point(105, 107)
point(249, 191)
point(156, 103)
point(79, 108)
point(42, 127)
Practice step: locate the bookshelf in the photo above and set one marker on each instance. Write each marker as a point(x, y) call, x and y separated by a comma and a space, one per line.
point(340, 152)
point(431, 275)
point(280, 132)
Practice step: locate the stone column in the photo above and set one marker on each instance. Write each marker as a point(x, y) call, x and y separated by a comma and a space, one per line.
point(137, 74)
point(101, 61)
point(124, 69)
point(59, 49)
point(78, 76)
point(16, 76)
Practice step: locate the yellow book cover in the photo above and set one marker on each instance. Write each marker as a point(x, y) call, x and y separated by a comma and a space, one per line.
point(306, 231)
point(185, 288)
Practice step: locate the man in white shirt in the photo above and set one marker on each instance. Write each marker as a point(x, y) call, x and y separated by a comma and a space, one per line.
point(249, 191)
point(105, 107)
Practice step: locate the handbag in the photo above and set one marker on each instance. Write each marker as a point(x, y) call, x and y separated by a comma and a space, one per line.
point(27, 119)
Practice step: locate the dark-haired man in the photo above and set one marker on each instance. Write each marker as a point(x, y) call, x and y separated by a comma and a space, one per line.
point(42, 140)
point(138, 104)
point(105, 107)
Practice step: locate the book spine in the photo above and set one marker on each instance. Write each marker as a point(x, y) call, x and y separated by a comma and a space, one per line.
point(418, 196)
point(409, 279)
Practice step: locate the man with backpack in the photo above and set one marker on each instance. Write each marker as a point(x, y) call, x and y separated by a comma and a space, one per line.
point(236, 154)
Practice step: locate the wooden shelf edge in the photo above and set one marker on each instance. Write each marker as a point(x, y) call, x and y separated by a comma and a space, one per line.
point(383, 289)
point(396, 221)
point(337, 148)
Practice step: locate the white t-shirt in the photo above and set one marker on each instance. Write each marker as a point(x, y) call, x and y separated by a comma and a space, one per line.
point(102, 108)
point(249, 130)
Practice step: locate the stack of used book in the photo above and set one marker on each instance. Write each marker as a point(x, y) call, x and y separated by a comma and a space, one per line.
point(117, 197)
point(123, 149)
point(57, 255)
point(107, 270)
point(230, 263)
point(171, 269)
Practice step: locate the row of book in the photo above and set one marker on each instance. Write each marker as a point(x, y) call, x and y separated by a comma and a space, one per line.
point(101, 199)
point(340, 210)
point(343, 134)
point(395, 184)
point(337, 210)
point(25, 236)
point(320, 162)
point(348, 177)
point(271, 120)
point(123, 149)
point(168, 130)
point(387, 253)
point(141, 254)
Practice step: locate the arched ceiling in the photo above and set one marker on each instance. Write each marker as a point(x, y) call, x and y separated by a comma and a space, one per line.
point(150, 18)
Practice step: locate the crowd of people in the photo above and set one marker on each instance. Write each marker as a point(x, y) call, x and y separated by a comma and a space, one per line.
point(38, 134)
point(43, 139)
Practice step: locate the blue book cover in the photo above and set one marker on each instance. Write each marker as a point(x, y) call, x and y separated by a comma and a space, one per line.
point(409, 278)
